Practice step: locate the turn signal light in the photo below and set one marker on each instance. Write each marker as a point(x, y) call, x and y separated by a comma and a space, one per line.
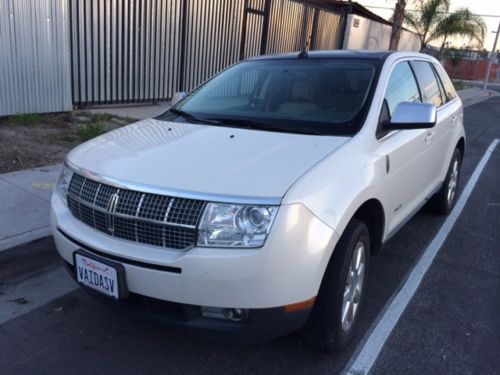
point(300, 306)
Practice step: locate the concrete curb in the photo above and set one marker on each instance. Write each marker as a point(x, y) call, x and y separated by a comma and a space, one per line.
point(24, 238)
point(29, 258)
point(478, 99)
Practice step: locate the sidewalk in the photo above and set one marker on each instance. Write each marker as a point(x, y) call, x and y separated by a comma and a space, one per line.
point(25, 195)
point(138, 112)
point(494, 86)
point(24, 205)
point(474, 95)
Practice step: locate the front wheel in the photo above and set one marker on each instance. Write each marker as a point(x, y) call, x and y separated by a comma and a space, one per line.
point(335, 315)
point(444, 200)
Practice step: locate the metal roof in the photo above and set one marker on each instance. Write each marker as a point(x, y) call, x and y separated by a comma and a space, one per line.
point(346, 6)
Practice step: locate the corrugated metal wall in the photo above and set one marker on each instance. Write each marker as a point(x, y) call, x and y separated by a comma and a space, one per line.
point(328, 32)
point(124, 51)
point(127, 51)
point(290, 27)
point(34, 57)
point(212, 39)
point(56, 53)
point(252, 28)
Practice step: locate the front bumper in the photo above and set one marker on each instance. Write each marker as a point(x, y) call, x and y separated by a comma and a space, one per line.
point(260, 324)
point(287, 270)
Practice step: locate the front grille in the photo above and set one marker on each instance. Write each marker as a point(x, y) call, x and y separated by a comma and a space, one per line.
point(152, 219)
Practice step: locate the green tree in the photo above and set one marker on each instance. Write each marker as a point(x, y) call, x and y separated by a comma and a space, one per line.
point(432, 21)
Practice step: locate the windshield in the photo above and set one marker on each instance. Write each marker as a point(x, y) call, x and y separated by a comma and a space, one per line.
point(317, 96)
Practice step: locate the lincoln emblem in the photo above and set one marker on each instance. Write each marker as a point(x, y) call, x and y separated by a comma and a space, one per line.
point(113, 200)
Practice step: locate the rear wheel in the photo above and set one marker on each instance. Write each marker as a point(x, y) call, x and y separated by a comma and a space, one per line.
point(335, 315)
point(444, 200)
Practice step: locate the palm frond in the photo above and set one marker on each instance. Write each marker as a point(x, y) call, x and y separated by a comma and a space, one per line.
point(431, 21)
point(462, 23)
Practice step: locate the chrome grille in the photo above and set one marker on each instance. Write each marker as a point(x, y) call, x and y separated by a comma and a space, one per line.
point(147, 218)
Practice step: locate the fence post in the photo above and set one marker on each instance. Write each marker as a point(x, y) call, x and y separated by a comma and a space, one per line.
point(182, 47)
point(243, 30)
point(265, 27)
point(345, 13)
point(72, 70)
point(314, 30)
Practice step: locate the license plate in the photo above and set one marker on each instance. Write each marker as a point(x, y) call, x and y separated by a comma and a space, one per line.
point(102, 275)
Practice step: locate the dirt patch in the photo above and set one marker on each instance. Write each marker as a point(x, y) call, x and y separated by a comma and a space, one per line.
point(29, 141)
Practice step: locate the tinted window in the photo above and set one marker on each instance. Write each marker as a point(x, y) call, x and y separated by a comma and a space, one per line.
point(448, 85)
point(237, 87)
point(441, 88)
point(428, 83)
point(402, 87)
point(320, 95)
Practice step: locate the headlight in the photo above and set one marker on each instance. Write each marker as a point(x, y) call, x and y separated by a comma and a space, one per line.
point(232, 225)
point(63, 182)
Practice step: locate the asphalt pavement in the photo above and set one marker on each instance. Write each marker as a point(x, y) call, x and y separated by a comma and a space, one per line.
point(450, 326)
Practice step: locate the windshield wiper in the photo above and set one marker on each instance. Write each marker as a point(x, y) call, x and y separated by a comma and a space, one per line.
point(252, 124)
point(244, 123)
point(192, 118)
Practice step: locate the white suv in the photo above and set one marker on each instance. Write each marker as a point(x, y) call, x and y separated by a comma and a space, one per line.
point(250, 209)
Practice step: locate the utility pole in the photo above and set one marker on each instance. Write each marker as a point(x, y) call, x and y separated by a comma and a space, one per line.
point(493, 55)
point(399, 14)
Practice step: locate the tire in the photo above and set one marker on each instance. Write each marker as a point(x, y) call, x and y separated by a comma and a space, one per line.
point(325, 330)
point(444, 200)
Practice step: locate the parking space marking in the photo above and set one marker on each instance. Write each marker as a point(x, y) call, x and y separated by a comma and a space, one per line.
point(369, 349)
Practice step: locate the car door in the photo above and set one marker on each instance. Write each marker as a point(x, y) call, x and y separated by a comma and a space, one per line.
point(407, 176)
point(438, 137)
point(452, 115)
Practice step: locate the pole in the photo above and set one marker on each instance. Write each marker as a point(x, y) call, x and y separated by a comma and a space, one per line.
point(399, 14)
point(182, 48)
point(493, 54)
point(265, 27)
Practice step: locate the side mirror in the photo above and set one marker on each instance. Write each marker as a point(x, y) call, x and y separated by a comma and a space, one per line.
point(178, 96)
point(412, 115)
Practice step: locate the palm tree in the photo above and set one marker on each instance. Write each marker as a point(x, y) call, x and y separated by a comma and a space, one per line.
point(463, 23)
point(432, 21)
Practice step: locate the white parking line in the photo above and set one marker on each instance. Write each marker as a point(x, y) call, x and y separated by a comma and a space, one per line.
point(370, 348)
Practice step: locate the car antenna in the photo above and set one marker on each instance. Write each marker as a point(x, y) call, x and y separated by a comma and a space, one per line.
point(303, 54)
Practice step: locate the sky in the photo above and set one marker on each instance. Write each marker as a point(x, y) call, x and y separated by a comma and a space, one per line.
point(481, 7)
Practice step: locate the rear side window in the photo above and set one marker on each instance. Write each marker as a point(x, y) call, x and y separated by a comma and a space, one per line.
point(428, 83)
point(402, 87)
point(446, 81)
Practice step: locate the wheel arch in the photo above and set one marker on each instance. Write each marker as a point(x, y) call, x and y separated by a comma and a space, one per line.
point(371, 212)
point(461, 146)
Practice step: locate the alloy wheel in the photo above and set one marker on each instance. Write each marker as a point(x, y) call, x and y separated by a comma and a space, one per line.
point(452, 184)
point(354, 286)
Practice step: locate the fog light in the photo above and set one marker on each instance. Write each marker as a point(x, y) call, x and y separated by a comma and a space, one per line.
point(233, 314)
point(236, 315)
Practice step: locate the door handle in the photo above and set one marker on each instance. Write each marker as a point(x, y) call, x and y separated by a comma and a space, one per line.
point(428, 137)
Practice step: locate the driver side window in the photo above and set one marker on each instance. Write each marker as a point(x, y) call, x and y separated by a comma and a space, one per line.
point(402, 87)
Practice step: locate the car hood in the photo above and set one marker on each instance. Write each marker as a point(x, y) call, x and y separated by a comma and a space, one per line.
point(221, 161)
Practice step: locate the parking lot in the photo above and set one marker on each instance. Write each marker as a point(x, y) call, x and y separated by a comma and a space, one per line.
point(450, 325)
